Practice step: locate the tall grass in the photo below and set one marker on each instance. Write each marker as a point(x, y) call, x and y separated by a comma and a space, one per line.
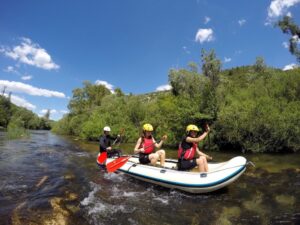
point(15, 130)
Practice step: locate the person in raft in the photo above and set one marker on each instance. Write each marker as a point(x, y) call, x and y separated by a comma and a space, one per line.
point(106, 142)
point(189, 147)
point(145, 146)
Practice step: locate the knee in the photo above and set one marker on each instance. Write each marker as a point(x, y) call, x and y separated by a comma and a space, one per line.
point(155, 156)
point(202, 159)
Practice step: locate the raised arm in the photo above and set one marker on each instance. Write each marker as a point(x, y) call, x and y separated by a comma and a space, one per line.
point(197, 139)
point(158, 145)
point(200, 138)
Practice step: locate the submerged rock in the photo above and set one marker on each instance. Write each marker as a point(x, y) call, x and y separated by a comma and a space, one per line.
point(228, 213)
point(285, 200)
point(71, 196)
point(69, 176)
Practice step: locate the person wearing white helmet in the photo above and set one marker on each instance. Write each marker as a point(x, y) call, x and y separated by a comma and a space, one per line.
point(188, 149)
point(107, 129)
point(106, 142)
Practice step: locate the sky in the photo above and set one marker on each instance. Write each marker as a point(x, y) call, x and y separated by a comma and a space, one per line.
point(48, 48)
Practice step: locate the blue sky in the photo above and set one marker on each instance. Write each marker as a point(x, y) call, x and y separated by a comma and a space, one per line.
point(48, 48)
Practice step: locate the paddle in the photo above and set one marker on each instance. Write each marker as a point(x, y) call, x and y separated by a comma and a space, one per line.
point(206, 129)
point(116, 164)
point(119, 162)
point(103, 156)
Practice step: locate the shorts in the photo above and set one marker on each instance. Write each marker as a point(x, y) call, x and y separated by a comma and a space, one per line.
point(187, 164)
point(144, 158)
point(114, 153)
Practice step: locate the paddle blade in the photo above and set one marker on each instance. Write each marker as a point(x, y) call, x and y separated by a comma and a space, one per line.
point(102, 157)
point(116, 164)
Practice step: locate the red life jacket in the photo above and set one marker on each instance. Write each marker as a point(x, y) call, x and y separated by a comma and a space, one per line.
point(187, 154)
point(148, 145)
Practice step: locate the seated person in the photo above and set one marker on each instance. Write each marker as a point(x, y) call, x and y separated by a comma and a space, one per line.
point(188, 148)
point(107, 141)
point(145, 146)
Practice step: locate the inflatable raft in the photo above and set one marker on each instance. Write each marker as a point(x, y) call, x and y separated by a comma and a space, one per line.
point(219, 175)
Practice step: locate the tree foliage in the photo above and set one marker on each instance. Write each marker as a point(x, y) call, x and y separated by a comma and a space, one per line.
point(19, 116)
point(252, 108)
point(288, 26)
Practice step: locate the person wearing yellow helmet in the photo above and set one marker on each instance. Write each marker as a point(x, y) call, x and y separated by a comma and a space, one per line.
point(146, 145)
point(189, 147)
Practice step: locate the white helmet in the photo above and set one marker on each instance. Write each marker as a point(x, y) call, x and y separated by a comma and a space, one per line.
point(107, 128)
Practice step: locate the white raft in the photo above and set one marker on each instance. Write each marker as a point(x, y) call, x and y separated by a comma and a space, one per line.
point(219, 175)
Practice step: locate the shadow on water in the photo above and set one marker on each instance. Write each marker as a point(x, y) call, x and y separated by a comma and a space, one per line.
point(48, 179)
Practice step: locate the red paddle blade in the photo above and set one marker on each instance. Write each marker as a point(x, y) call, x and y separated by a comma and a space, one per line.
point(102, 157)
point(116, 164)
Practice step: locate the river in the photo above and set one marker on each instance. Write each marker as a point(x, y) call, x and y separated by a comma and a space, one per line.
point(50, 179)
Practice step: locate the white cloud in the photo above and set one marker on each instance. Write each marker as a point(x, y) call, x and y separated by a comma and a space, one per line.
point(285, 44)
point(165, 87)
point(204, 35)
point(64, 111)
point(296, 39)
point(31, 54)
point(207, 20)
point(227, 60)
point(44, 111)
point(54, 114)
point(279, 7)
point(11, 69)
point(19, 87)
point(185, 49)
point(26, 77)
point(242, 22)
point(21, 102)
point(290, 66)
point(106, 84)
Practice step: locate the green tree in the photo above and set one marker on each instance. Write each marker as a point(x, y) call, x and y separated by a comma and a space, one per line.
point(87, 98)
point(288, 26)
point(47, 114)
point(5, 111)
point(184, 82)
point(211, 67)
point(259, 65)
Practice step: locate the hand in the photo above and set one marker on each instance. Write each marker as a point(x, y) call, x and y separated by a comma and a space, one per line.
point(209, 157)
point(164, 137)
point(207, 129)
point(142, 150)
point(108, 149)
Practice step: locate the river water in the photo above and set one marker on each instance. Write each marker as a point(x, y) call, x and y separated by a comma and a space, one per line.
point(49, 179)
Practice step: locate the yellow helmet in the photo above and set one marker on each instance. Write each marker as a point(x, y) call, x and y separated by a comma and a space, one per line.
point(147, 127)
point(192, 127)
